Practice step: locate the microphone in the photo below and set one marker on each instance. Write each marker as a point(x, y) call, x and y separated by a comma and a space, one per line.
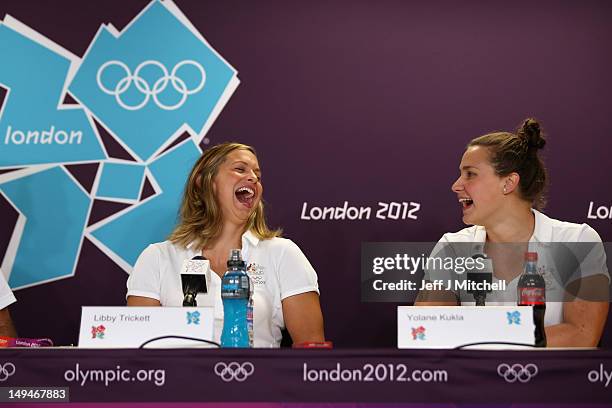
point(480, 280)
point(193, 279)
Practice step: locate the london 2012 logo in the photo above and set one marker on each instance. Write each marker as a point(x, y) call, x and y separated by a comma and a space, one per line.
point(514, 317)
point(98, 332)
point(144, 86)
point(418, 333)
point(193, 318)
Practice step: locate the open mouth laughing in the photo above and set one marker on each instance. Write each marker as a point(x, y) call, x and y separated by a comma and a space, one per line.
point(245, 195)
point(466, 203)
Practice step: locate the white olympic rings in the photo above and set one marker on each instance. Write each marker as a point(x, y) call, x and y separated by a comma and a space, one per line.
point(234, 371)
point(6, 370)
point(514, 372)
point(143, 86)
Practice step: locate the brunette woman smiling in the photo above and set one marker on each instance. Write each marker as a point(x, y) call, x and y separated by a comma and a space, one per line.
point(501, 192)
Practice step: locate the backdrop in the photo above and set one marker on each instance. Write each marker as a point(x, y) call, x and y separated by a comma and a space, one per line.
point(357, 102)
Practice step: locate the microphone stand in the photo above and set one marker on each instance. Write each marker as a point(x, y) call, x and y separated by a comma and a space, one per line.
point(480, 297)
point(485, 277)
point(190, 299)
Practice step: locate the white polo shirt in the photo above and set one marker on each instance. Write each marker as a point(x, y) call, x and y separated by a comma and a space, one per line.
point(547, 230)
point(277, 267)
point(6, 294)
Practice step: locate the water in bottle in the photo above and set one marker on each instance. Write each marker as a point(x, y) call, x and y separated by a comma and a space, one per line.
point(250, 319)
point(235, 293)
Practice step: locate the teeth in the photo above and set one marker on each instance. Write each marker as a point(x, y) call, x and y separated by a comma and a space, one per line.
point(465, 200)
point(248, 190)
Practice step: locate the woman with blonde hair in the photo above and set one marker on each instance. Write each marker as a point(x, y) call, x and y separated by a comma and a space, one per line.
point(222, 209)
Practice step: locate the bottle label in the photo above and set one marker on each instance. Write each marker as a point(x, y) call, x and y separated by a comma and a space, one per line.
point(244, 282)
point(531, 296)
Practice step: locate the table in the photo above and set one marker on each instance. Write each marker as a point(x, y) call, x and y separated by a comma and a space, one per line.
point(315, 376)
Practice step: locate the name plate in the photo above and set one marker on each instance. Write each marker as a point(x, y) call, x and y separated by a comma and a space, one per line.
point(455, 326)
point(130, 327)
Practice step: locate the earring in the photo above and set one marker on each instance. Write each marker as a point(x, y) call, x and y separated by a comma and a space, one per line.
point(505, 191)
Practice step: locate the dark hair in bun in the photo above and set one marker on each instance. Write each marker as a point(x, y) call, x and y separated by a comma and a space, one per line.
point(518, 153)
point(530, 133)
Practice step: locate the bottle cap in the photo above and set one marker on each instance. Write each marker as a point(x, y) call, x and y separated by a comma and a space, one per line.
point(235, 258)
point(531, 256)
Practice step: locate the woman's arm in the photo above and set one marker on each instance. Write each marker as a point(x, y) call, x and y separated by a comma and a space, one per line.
point(582, 326)
point(6, 324)
point(583, 320)
point(584, 314)
point(303, 317)
point(142, 301)
point(144, 283)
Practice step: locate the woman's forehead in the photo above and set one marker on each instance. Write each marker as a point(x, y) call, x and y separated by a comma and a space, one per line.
point(475, 156)
point(242, 155)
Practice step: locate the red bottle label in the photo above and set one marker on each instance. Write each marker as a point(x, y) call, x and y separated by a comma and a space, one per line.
point(532, 296)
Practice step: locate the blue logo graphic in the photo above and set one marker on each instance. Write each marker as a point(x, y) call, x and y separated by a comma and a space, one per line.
point(53, 213)
point(132, 176)
point(193, 317)
point(35, 128)
point(146, 84)
point(514, 317)
point(125, 234)
point(150, 82)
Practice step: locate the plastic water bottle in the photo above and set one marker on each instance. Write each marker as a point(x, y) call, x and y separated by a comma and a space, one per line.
point(250, 312)
point(250, 318)
point(235, 292)
point(532, 292)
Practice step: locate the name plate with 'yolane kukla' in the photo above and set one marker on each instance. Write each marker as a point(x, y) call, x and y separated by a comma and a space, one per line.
point(457, 326)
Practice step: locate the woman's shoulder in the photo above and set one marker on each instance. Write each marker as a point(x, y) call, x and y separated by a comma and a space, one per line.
point(165, 250)
point(281, 249)
point(277, 244)
point(553, 230)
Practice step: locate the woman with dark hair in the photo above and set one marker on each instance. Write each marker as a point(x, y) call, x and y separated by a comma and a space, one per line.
point(222, 209)
point(501, 190)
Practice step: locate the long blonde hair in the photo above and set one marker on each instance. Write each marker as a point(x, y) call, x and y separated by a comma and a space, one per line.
point(200, 218)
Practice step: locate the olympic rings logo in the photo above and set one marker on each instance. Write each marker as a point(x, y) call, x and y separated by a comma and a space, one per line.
point(6, 370)
point(159, 86)
point(514, 372)
point(234, 371)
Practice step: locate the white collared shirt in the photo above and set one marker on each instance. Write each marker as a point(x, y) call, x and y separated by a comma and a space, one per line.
point(277, 267)
point(547, 230)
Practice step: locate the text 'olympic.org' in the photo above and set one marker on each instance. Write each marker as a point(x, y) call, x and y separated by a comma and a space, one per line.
point(107, 376)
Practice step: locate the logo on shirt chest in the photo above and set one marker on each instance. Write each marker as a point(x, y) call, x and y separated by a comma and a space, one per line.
point(548, 274)
point(257, 274)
